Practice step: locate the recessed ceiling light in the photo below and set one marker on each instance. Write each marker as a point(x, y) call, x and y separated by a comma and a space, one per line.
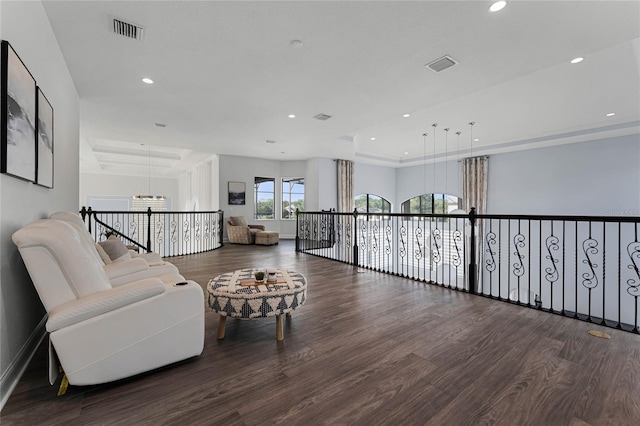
point(577, 60)
point(291, 116)
point(611, 114)
point(406, 152)
point(476, 140)
point(406, 115)
point(499, 5)
point(147, 80)
point(373, 139)
point(295, 44)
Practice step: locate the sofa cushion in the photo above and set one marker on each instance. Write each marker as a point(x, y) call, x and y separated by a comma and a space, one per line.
point(238, 221)
point(103, 254)
point(115, 249)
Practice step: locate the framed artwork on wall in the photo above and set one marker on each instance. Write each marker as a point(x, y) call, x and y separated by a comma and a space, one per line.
point(236, 193)
point(18, 126)
point(44, 146)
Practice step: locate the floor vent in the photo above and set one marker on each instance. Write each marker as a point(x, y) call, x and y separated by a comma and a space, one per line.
point(441, 64)
point(126, 29)
point(322, 117)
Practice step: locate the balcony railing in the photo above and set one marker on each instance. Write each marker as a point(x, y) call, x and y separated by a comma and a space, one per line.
point(582, 267)
point(165, 232)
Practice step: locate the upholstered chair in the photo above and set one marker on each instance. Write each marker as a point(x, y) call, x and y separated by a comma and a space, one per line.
point(102, 332)
point(240, 232)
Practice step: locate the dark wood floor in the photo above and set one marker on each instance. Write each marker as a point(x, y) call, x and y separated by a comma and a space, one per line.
point(366, 349)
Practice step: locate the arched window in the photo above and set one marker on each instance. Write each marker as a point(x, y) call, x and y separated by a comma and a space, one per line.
point(431, 203)
point(370, 203)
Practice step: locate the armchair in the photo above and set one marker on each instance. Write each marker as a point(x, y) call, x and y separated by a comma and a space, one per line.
point(102, 333)
point(239, 232)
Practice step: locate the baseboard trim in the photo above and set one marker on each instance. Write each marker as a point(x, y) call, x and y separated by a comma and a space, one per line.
point(16, 369)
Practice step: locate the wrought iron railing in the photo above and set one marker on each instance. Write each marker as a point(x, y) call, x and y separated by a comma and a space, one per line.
point(165, 232)
point(582, 267)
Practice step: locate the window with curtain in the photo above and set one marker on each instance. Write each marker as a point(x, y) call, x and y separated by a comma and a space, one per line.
point(431, 203)
point(292, 197)
point(264, 202)
point(370, 203)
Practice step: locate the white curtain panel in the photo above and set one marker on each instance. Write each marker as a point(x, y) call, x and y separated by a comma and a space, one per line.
point(345, 186)
point(474, 178)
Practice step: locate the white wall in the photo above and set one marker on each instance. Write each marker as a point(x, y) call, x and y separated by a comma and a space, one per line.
point(377, 180)
point(26, 26)
point(418, 180)
point(321, 182)
point(118, 186)
point(199, 189)
point(327, 195)
point(245, 169)
point(600, 178)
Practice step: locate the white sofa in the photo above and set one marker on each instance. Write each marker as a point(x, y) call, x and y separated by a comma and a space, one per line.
point(138, 267)
point(102, 332)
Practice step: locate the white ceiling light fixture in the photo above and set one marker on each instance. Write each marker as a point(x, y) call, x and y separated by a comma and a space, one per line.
point(577, 60)
point(497, 6)
point(270, 141)
point(611, 114)
point(295, 44)
point(476, 140)
point(406, 115)
point(373, 139)
point(147, 80)
point(291, 116)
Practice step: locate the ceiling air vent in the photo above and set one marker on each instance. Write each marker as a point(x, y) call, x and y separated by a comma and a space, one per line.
point(322, 117)
point(441, 64)
point(127, 29)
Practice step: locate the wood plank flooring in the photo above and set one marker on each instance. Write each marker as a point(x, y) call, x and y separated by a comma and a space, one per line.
point(366, 349)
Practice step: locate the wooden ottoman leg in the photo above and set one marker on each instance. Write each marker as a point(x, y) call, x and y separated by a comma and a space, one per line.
point(279, 334)
point(221, 324)
point(288, 315)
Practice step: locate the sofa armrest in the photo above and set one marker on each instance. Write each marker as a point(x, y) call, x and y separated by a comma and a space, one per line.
point(101, 302)
point(260, 227)
point(127, 267)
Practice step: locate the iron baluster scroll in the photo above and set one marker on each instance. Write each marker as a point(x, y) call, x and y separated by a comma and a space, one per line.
point(551, 272)
point(164, 235)
point(519, 242)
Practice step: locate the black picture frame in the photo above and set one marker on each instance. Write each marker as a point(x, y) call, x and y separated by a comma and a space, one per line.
point(45, 137)
point(17, 126)
point(237, 193)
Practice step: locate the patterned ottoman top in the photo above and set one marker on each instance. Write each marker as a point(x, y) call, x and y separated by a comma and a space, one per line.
point(228, 298)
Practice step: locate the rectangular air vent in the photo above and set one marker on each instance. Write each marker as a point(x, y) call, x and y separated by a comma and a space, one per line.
point(127, 29)
point(441, 64)
point(322, 117)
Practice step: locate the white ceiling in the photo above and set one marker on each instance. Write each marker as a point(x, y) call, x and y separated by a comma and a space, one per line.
point(226, 78)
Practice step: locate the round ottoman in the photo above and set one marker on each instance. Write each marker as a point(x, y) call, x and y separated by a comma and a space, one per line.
point(235, 295)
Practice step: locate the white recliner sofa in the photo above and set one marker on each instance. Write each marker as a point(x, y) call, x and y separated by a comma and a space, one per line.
point(101, 332)
point(139, 267)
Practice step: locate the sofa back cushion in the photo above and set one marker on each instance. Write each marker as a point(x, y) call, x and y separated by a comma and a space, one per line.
point(78, 224)
point(59, 265)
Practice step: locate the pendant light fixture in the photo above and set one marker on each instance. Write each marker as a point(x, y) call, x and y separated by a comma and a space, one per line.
point(434, 125)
